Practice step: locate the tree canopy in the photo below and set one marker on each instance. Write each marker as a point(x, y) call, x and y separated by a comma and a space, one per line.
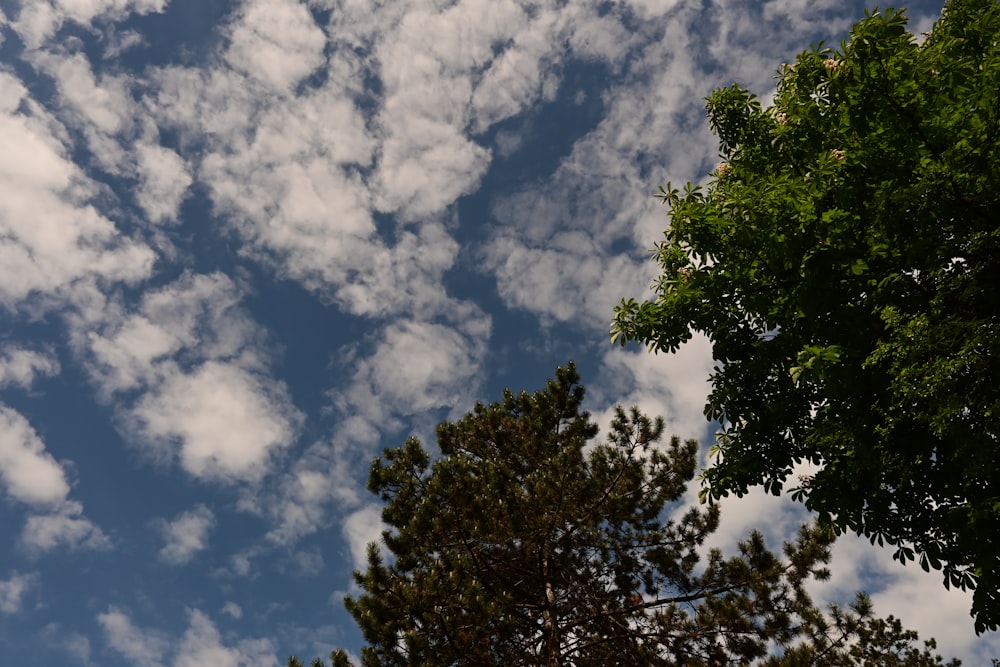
point(527, 543)
point(843, 260)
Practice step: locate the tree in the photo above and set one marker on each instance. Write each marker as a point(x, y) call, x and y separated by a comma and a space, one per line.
point(844, 262)
point(525, 543)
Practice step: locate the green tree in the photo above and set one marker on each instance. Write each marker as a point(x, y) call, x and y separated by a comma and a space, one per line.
point(525, 543)
point(844, 262)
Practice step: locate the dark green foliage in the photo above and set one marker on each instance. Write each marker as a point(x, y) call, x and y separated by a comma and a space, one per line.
point(844, 261)
point(856, 638)
point(526, 543)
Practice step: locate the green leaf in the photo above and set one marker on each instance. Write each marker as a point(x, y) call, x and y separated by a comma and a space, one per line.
point(857, 217)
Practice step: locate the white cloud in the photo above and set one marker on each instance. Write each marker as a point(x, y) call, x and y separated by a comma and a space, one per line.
point(13, 591)
point(568, 279)
point(361, 528)
point(282, 170)
point(673, 386)
point(28, 473)
point(553, 254)
point(202, 646)
point(472, 64)
point(425, 171)
point(31, 475)
point(293, 197)
point(448, 73)
point(52, 236)
point(142, 648)
point(186, 535)
point(415, 366)
point(232, 610)
point(19, 366)
point(224, 420)
point(242, 566)
point(126, 358)
point(307, 562)
point(118, 42)
point(67, 526)
point(324, 474)
point(202, 105)
point(426, 160)
point(74, 644)
point(199, 365)
point(285, 176)
point(276, 42)
point(652, 131)
point(908, 593)
point(196, 315)
point(777, 518)
point(807, 15)
point(39, 20)
point(406, 279)
point(100, 104)
point(164, 180)
point(308, 217)
point(35, 22)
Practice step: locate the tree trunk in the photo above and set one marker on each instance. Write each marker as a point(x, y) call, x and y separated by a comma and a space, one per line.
point(553, 648)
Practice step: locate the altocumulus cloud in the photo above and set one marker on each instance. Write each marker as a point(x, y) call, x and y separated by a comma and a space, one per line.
point(185, 535)
point(200, 645)
point(13, 591)
point(186, 370)
point(31, 475)
point(53, 235)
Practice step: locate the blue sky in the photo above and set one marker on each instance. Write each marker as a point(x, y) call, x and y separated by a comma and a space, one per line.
point(246, 245)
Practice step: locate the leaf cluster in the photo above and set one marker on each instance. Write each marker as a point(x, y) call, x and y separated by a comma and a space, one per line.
point(844, 261)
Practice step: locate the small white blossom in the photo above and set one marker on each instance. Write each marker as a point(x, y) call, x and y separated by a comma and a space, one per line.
point(723, 168)
point(838, 154)
point(830, 64)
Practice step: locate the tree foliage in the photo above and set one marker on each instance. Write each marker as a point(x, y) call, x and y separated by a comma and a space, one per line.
point(844, 262)
point(525, 543)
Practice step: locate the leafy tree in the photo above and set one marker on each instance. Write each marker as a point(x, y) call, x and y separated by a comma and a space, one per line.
point(527, 544)
point(844, 261)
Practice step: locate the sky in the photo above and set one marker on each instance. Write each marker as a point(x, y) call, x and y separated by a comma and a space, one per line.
point(245, 245)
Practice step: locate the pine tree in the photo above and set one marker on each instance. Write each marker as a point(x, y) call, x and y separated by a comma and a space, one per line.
point(525, 543)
